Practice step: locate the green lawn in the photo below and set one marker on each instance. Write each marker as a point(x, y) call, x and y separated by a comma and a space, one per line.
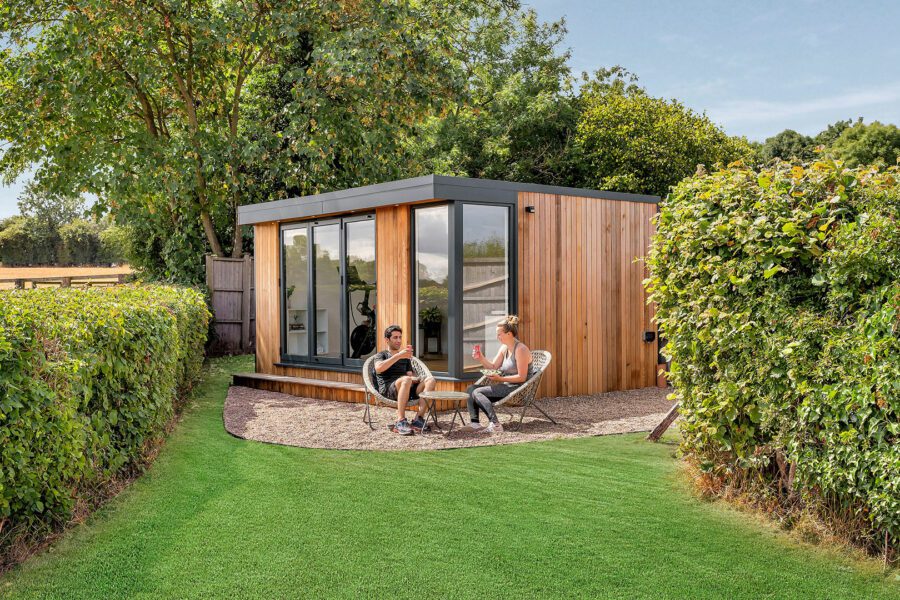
point(595, 517)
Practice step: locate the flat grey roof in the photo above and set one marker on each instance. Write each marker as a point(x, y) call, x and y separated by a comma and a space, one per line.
point(416, 189)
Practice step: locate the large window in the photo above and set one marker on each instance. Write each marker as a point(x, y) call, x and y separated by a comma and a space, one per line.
point(432, 285)
point(462, 285)
point(328, 291)
point(485, 278)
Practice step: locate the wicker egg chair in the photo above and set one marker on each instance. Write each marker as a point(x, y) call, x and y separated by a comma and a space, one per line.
point(373, 397)
point(524, 395)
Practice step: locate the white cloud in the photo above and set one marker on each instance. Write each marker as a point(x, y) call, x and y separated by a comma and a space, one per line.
point(762, 111)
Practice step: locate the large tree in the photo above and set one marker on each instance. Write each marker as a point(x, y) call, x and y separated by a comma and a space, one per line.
point(517, 120)
point(861, 144)
point(788, 145)
point(630, 141)
point(146, 103)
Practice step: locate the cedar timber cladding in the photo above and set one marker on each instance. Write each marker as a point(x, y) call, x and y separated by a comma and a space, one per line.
point(580, 291)
point(392, 240)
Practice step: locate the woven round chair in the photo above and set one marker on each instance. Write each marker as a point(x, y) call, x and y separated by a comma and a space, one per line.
point(524, 395)
point(373, 397)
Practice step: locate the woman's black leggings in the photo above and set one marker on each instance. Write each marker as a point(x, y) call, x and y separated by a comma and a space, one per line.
point(483, 398)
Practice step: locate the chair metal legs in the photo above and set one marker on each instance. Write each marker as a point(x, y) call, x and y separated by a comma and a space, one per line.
point(528, 403)
point(535, 404)
point(367, 417)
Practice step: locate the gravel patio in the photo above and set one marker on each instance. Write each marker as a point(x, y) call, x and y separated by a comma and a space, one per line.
point(289, 420)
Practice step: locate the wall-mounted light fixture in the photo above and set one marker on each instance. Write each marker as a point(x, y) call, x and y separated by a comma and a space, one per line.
point(649, 336)
point(529, 209)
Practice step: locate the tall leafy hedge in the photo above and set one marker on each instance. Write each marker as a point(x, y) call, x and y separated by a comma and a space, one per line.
point(779, 292)
point(88, 381)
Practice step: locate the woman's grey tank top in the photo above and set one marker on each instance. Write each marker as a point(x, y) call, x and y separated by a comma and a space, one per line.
point(509, 366)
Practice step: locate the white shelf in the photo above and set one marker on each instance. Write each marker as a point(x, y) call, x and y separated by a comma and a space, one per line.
point(297, 342)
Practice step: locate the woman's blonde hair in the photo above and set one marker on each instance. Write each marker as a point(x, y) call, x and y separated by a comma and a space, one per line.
point(510, 324)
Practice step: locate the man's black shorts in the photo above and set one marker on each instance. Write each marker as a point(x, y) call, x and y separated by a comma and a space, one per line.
point(413, 395)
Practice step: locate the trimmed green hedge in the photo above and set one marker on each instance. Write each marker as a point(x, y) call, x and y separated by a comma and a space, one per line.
point(779, 293)
point(88, 381)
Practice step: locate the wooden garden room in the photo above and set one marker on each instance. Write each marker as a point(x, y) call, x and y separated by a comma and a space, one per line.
point(445, 258)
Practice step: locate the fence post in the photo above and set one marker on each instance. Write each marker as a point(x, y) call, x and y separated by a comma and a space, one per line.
point(20, 284)
point(209, 272)
point(65, 282)
point(247, 272)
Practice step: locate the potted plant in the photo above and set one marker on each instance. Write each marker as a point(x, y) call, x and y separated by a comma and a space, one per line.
point(431, 318)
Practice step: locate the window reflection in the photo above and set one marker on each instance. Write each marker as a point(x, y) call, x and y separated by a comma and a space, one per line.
point(485, 282)
point(327, 320)
point(296, 281)
point(432, 264)
point(361, 293)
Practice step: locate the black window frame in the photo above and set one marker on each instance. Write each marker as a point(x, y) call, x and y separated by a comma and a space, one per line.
point(311, 360)
point(455, 291)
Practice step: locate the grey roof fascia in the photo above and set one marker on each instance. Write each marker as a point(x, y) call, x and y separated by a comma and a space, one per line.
point(369, 196)
point(417, 189)
point(497, 188)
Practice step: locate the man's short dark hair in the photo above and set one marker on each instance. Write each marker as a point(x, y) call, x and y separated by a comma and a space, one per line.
point(391, 329)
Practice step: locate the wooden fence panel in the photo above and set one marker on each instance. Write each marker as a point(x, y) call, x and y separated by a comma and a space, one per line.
point(231, 286)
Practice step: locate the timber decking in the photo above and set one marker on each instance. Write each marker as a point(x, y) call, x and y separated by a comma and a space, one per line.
point(301, 386)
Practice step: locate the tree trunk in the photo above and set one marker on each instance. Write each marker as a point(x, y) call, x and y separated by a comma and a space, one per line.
point(211, 233)
point(238, 247)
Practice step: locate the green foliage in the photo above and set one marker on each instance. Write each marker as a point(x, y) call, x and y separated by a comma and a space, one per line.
point(788, 145)
point(115, 245)
point(175, 113)
point(779, 293)
point(518, 117)
point(30, 240)
point(88, 381)
point(632, 142)
point(79, 243)
point(27, 241)
point(52, 209)
point(864, 144)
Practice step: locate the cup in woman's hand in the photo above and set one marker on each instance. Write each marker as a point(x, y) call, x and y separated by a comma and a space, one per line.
point(476, 351)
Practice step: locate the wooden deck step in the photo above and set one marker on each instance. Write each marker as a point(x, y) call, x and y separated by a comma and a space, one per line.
point(300, 386)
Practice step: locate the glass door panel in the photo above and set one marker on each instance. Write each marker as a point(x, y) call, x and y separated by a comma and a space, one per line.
point(360, 267)
point(485, 285)
point(295, 249)
point(432, 285)
point(327, 292)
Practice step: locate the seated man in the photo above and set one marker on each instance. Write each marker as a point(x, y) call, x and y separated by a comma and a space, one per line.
point(396, 380)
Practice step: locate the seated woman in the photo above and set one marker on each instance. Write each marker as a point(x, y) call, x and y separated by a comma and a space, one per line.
point(514, 363)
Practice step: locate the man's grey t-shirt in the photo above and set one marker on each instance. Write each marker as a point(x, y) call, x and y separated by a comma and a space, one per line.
point(394, 372)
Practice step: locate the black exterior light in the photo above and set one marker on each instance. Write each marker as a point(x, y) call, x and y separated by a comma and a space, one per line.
point(529, 209)
point(649, 336)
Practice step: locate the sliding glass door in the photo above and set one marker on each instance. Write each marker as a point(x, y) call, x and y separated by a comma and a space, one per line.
point(328, 291)
point(295, 291)
point(359, 332)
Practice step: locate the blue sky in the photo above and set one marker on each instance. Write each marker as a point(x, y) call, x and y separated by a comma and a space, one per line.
point(756, 68)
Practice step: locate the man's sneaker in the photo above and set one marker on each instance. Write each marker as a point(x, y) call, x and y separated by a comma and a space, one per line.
point(402, 427)
point(418, 425)
point(493, 428)
point(472, 427)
